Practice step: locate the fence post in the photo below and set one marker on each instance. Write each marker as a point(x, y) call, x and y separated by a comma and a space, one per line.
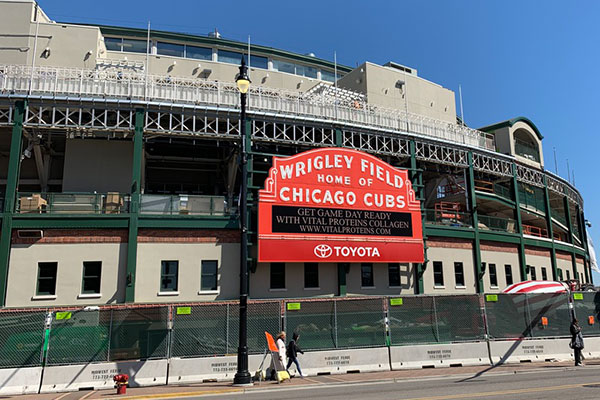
point(110, 328)
point(437, 328)
point(335, 322)
point(227, 329)
point(529, 321)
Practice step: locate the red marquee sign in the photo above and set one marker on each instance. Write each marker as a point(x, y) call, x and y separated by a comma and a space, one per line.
point(338, 205)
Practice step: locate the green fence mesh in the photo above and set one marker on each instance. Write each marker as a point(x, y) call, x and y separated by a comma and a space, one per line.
point(412, 320)
point(459, 318)
point(330, 324)
point(139, 333)
point(213, 329)
point(555, 308)
point(21, 338)
point(587, 304)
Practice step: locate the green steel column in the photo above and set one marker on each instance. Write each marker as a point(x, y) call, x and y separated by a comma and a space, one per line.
point(550, 230)
point(570, 231)
point(522, 259)
point(342, 272)
point(12, 181)
point(476, 241)
point(584, 242)
point(338, 138)
point(417, 180)
point(134, 205)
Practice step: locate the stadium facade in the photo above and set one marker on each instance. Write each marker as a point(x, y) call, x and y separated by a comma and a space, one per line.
point(119, 175)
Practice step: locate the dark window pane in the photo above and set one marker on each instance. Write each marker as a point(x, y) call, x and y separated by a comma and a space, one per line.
point(169, 49)
point(92, 271)
point(493, 275)
point(283, 66)
point(199, 53)
point(46, 284)
point(259, 62)
point(544, 274)
point(560, 275)
point(508, 272)
point(229, 57)
point(135, 46)
point(532, 272)
point(311, 275)
point(459, 275)
point(310, 72)
point(366, 275)
point(168, 276)
point(438, 274)
point(328, 76)
point(277, 275)
point(113, 44)
point(394, 274)
point(568, 275)
point(208, 278)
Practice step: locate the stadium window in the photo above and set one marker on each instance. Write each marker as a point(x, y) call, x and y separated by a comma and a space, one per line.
point(544, 274)
point(229, 57)
point(259, 62)
point(560, 274)
point(394, 274)
point(46, 282)
point(92, 272)
point(328, 76)
point(459, 274)
point(493, 275)
point(438, 274)
point(311, 275)
point(208, 275)
point(532, 273)
point(169, 49)
point(135, 46)
point(283, 66)
point(366, 275)
point(277, 275)
point(168, 276)
point(113, 44)
point(198, 53)
point(568, 275)
point(508, 273)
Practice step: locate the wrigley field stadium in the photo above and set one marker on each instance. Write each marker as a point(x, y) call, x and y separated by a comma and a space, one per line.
point(120, 176)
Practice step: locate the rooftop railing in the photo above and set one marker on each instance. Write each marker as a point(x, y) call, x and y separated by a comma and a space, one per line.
point(183, 204)
point(72, 203)
point(500, 224)
point(138, 86)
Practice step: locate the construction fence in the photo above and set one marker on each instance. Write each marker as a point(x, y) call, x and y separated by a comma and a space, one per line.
point(62, 336)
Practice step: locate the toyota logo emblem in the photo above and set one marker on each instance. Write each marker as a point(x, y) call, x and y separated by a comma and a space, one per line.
point(323, 251)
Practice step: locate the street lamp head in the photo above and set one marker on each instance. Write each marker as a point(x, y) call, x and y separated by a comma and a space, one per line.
point(242, 81)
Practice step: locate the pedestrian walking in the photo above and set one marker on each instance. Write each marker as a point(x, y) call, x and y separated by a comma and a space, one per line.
point(292, 353)
point(576, 341)
point(281, 348)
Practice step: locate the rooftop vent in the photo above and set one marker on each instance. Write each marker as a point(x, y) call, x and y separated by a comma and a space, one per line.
point(399, 67)
point(214, 34)
point(310, 54)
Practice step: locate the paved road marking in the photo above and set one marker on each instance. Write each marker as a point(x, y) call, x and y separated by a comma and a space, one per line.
point(504, 392)
point(313, 381)
point(87, 395)
point(62, 395)
point(180, 394)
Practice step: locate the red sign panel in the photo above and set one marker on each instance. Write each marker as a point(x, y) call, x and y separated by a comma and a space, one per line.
point(338, 205)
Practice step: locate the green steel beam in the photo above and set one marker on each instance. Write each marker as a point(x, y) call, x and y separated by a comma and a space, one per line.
point(134, 210)
point(416, 177)
point(12, 180)
point(342, 272)
point(476, 240)
point(338, 138)
point(499, 237)
point(551, 231)
point(447, 231)
point(496, 198)
point(66, 222)
point(522, 258)
point(570, 233)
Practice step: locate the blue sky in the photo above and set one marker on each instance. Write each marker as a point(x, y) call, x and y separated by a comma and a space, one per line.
point(513, 58)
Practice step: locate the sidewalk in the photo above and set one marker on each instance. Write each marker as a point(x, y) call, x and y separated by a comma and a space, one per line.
point(166, 392)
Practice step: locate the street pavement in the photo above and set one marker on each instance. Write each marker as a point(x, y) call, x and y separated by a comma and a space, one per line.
point(549, 380)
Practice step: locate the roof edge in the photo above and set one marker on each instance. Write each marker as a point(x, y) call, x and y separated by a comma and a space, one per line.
point(510, 123)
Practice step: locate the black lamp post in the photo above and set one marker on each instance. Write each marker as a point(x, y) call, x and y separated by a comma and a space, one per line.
point(242, 376)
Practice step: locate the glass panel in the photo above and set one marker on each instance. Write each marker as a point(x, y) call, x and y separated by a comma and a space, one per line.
point(367, 275)
point(135, 46)
point(199, 53)
point(259, 62)
point(508, 272)
point(458, 274)
point(169, 49)
point(209, 275)
point(394, 274)
point(311, 275)
point(310, 72)
point(47, 278)
point(493, 276)
point(91, 276)
point(113, 44)
point(283, 66)
point(328, 76)
point(168, 279)
point(277, 276)
point(230, 57)
point(438, 274)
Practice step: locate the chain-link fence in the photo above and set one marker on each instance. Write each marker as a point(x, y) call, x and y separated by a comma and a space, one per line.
point(204, 330)
point(21, 338)
point(527, 315)
point(587, 304)
point(333, 324)
point(429, 319)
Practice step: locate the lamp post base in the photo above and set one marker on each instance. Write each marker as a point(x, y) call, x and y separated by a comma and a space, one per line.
point(242, 378)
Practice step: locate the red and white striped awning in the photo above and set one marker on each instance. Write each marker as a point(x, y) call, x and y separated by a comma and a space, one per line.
point(537, 287)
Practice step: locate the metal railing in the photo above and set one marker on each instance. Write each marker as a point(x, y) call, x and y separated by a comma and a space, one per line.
point(184, 204)
point(72, 203)
point(448, 218)
point(492, 223)
point(526, 150)
point(137, 86)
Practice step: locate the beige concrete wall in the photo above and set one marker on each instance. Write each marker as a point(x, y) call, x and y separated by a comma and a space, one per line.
point(522, 125)
point(260, 282)
point(539, 261)
point(15, 32)
point(98, 165)
point(419, 95)
point(380, 280)
point(566, 265)
point(500, 259)
point(23, 271)
point(503, 140)
point(448, 256)
point(190, 256)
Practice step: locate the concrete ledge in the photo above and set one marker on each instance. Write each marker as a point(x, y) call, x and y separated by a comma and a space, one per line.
point(343, 361)
point(196, 370)
point(530, 350)
point(20, 380)
point(64, 378)
point(592, 347)
point(439, 355)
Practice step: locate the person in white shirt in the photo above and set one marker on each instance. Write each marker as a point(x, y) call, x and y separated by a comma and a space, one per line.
point(282, 349)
